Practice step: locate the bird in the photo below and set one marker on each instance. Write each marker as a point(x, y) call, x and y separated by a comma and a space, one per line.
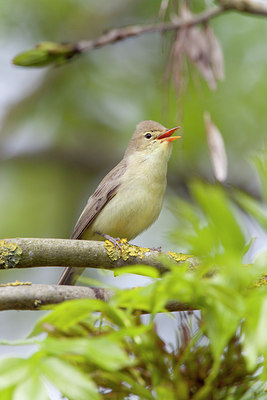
point(129, 198)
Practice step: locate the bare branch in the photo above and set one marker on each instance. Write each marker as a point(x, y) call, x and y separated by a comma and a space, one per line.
point(18, 296)
point(26, 296)
point(256, 7)
point(33, 252)
point(116, 35)
point(23, 253)
point(46, 53)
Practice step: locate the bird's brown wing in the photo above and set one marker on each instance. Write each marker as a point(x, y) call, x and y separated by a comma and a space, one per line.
point(107, 189)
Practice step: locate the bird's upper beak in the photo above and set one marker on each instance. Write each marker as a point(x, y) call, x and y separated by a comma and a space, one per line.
point(167, 136)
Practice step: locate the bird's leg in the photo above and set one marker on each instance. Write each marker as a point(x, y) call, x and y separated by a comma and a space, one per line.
point(111, 239)
point(159, 249)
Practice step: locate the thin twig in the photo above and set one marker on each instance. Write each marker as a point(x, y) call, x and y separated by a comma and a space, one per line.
point(48, 52)
point(115, 35)
point(256, 7)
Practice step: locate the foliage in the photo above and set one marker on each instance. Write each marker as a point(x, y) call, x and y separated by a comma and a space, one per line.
point(97, 350)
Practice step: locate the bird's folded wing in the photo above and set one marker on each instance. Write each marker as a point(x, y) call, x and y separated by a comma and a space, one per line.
point(107, 189)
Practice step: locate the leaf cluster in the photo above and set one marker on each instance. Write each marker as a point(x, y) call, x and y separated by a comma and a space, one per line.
point(104, 351)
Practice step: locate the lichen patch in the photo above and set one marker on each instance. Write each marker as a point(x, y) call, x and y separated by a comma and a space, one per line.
point(127, 250)
point(10, 254)
point(179, 257)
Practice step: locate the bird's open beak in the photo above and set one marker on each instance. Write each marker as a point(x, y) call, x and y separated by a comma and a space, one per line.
point(167, 136)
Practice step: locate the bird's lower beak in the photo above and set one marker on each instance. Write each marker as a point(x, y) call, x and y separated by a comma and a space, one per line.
point(166, 136)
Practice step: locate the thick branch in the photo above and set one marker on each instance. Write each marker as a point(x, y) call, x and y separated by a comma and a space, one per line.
point(29, 253)
point(18, 296)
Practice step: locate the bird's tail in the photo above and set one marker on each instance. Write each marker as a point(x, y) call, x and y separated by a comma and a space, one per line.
point(69, 276)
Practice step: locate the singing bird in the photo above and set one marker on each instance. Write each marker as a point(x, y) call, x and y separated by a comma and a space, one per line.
point(129, 199)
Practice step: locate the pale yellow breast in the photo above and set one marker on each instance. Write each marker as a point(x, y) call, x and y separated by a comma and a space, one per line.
point(137, 203)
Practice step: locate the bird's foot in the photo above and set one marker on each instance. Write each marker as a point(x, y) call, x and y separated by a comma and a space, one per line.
point(114, 241)
point(159, 249)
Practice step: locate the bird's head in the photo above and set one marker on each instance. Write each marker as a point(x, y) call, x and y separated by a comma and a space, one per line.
point(150, 137)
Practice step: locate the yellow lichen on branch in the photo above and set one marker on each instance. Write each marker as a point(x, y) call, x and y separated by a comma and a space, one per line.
point(179, 257)
point(127, 250)
point(16, 283)
point(10, 254)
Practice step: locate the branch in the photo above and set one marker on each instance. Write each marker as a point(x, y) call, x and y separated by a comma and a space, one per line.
point(256, 7)
point(29, 253)
point(26, 296)
point(59, 53)
point(116, 35)
point(24, 253)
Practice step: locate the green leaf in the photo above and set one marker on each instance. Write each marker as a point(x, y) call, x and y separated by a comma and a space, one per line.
point(152, 298)
point(252, 206)
point(218, 212)
point(72, 383)
point(255, 327)
point(32, 388)
point(144, 270)
point(221, 326)
point(115, 315)
point(13, 371)
point(94, 282)
point(23, 342)
point(67, 314)
point(133, 332)
point(260, 162)
point(164, 393)
point(137, 388)
point(101, 351)
point(7, 394)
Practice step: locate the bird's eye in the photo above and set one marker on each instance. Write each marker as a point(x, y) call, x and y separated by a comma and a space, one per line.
point(148, 135)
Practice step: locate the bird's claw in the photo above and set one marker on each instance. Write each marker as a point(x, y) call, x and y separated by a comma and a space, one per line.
point(159, 249)
point(114, 241)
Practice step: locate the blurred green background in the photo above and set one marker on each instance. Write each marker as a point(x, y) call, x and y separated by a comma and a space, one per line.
point(62, 129)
